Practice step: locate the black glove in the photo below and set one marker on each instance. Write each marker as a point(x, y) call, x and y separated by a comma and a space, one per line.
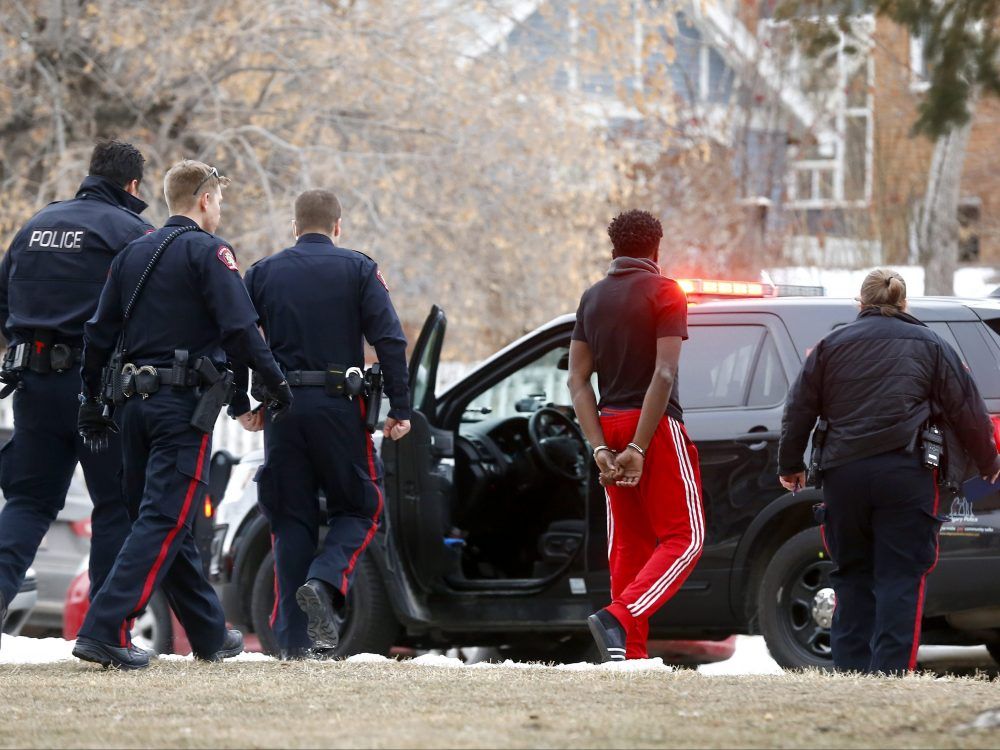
point(94, 426)
point(279, 399)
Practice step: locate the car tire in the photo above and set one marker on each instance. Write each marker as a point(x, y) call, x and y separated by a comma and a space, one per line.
point(154, 628)
point(370, 627)
point(794, 603)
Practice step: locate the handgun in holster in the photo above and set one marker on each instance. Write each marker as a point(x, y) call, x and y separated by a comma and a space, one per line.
point(814, 474)
point(215, 394)
point(373, 395)
point(15, 362)
point(112, 391)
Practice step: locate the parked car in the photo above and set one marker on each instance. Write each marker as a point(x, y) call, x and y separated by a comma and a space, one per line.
point(494, 529)
point(21, 606)
point(64, 546)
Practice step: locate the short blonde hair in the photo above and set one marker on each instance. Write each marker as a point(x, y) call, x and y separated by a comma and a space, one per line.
point(184, 181)
point(884, 289)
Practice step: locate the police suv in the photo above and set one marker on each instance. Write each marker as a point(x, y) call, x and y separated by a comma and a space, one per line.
point(495, 526)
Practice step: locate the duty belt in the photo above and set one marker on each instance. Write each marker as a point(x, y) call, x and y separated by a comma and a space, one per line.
point(146, 379)
point(41, 355)
point(336, 379)
point(306, 377)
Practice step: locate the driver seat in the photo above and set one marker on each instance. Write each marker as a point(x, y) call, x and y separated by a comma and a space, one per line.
point(558, 545)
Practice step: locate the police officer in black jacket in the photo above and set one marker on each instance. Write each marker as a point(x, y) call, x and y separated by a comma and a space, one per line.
point(875, 383)
point(175, 306)
point(317, 304)
point(50, 280)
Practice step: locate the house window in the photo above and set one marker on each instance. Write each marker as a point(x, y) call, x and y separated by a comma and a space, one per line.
point(969, 210)
point(919, 78)
point(831, 165)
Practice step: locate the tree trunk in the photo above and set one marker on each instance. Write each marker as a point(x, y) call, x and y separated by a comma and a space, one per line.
point(937, 216)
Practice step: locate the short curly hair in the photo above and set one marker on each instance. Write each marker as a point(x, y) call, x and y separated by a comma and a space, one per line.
point(635, 234)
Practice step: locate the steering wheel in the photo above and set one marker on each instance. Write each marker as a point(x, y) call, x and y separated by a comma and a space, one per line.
point(558, 443)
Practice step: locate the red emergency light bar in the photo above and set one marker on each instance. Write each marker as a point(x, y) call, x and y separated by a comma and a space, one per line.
point(719, 288)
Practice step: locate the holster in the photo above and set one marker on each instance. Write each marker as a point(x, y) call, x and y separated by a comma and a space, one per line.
point(15, 362)
point(814, 473)
point(41, 353)
point(112, 390)
point(215, 395)
point(373, 395)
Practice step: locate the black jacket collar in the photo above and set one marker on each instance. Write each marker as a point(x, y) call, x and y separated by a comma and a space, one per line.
point(874, 312)
point(314, 238)
point(177, 220)
point(105, 190)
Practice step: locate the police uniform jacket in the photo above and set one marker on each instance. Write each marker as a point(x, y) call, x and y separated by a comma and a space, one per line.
point(875, 381)
point(52, 274)
point(193, 299)
point(319, 302)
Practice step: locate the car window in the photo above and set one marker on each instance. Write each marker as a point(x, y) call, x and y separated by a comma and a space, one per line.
point(715, 365)
point(425, 369)
point(769, 383)
point(942, 330)
point(979, 355)
point(535, 385)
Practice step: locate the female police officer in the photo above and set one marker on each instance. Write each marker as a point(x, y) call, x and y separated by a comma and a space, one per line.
point(875, 382)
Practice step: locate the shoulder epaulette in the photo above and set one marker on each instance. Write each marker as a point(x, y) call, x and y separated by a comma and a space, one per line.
point(364, 255)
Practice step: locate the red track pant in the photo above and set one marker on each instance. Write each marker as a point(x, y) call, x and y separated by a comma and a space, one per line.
point(655, 530)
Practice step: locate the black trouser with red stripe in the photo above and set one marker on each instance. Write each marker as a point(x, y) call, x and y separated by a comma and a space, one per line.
point(881, 528)
point(165, 480)
point(321, 444)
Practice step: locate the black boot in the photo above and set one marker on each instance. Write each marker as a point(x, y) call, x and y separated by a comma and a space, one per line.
point(110, 656)
point(316, 600)
point(232, 645)
point(608, 634)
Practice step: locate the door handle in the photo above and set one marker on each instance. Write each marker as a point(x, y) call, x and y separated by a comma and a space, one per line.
point(757, 441)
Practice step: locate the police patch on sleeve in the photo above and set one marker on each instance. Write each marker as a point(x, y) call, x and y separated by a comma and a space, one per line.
point(226, 257)
point(380, 277)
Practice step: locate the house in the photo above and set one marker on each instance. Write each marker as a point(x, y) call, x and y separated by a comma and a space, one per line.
point(821, 148)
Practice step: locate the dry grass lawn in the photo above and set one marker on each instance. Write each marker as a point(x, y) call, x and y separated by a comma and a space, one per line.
point(269, 704)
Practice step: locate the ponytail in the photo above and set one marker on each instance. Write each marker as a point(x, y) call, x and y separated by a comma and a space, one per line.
point(885, 290)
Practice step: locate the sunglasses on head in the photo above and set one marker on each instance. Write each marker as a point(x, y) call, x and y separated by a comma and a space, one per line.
point(214, 173)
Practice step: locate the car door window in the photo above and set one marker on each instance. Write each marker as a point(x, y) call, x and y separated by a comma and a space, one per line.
point(715, 365)
point(769, 384)
point(524, 391)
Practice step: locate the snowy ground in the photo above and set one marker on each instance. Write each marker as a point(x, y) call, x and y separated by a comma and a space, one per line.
point(751, 658)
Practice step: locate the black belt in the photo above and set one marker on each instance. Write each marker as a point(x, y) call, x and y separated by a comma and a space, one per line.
point(146, 379)
point(306, 377)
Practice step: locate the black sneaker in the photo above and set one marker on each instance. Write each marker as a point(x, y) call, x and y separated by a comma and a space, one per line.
point(109, 656)
point(608, 634)
point(232, 645)
point(314, 598)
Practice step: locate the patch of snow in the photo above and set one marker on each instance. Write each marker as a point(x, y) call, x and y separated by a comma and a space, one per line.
point(750, 657)
point(245, 656)
point(437, 660)
point(19, 649)
point(367, 659)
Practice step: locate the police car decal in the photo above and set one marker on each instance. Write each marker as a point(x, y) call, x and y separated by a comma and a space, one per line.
point(225, 255)
point(380, 277)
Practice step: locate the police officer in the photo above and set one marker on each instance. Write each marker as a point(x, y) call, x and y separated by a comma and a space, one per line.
point(172, 313)
point(876, 383)
point(318, 302)
point(50, 280)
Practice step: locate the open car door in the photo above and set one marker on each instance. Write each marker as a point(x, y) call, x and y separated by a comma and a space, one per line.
point(418, 468)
